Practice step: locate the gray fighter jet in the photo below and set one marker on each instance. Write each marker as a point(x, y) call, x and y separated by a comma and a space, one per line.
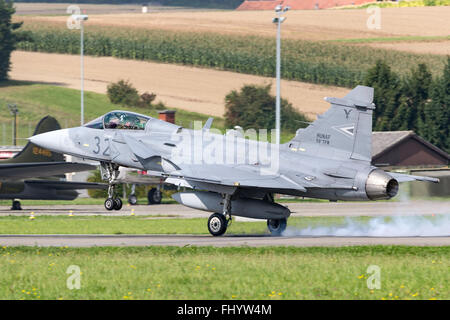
point(234, 175)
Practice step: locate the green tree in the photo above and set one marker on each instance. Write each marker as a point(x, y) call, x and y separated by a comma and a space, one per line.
point(415, 92)
point(436, 123)
point(254, 107)
point(8, 36)
point(387, 94)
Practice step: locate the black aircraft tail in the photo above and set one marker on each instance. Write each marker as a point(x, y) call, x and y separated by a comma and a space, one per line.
point(33, 153)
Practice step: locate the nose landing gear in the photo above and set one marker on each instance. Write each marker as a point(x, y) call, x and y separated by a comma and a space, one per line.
point(111, 171)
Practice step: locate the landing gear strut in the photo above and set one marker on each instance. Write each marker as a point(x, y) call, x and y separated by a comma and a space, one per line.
point(219, 222)
point(112, 171)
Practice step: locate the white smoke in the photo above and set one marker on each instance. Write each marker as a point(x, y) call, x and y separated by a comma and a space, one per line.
point(397, 226)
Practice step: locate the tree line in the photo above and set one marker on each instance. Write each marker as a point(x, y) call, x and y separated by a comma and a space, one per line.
point(418, 102)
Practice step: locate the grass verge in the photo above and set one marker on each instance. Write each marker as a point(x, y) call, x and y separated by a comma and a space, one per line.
point(225, 273)
point(142, 225)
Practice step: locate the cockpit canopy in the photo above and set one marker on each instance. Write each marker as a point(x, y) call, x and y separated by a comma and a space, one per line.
point(119, 120)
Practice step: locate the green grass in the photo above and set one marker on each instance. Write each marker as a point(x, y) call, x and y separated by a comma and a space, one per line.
point(34, 273)
point(63, 224)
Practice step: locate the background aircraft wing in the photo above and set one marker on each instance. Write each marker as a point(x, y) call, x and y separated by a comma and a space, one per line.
point(400, 177)
point(40, 169)
point(66, 185)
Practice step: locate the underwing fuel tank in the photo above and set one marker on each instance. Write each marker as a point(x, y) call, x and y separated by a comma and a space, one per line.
point(243, 207)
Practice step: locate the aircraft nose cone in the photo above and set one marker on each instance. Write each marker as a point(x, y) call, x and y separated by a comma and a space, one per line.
point(52, 140)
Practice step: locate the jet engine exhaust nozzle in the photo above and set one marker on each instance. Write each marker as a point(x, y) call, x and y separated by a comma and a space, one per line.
point(380, 185)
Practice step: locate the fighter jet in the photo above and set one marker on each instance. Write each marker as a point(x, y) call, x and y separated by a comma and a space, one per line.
point(21, 177)
point(233, 175)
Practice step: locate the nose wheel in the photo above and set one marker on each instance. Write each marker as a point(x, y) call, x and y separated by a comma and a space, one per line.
point(113, 202)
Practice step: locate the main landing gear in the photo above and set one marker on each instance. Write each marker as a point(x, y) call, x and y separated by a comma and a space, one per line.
point(276, 226)
point(219, 222)
point(16, 205)
point(113, 202)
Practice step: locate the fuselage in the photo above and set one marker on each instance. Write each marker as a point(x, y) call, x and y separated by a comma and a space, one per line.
point(160, 146)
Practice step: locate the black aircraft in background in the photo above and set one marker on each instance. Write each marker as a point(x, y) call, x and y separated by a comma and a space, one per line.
point(38, 174)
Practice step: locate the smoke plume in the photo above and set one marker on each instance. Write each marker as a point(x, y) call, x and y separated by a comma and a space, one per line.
point(397, 226)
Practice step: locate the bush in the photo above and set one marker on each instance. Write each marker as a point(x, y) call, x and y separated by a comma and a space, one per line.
point(254, 107)
point(147, 99)
point(123, 93)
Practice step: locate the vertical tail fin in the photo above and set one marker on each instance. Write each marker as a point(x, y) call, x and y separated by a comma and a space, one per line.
point(33, 153)
point(342, 132)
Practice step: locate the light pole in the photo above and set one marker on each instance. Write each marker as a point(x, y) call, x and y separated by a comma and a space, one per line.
point(80, 18)
point(14, 111)
point(279, 10)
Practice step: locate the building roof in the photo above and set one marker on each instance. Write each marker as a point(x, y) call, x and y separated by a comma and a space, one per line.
point(383, 141)
point(296, 4)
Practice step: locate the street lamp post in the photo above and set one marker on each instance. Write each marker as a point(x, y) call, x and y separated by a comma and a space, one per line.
point(279, 10)
point(14, 111)
point(80, 18)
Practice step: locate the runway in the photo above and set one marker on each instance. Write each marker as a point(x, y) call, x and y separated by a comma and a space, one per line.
point(299, 209)
point(206, 240)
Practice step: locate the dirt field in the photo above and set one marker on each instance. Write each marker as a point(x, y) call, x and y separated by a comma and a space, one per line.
point(307, 24)
point(192, 89)
point(61, 8)
point(438, 47)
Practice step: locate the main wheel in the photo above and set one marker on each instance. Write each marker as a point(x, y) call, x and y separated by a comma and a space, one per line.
point(16, 205)
point(154, 196)
point(118, 204)
point(109, 204)
point(217, 224)
point(276, 226)
point(132, 199)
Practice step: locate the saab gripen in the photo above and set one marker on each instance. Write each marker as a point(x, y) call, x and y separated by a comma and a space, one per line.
point(329, 159)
